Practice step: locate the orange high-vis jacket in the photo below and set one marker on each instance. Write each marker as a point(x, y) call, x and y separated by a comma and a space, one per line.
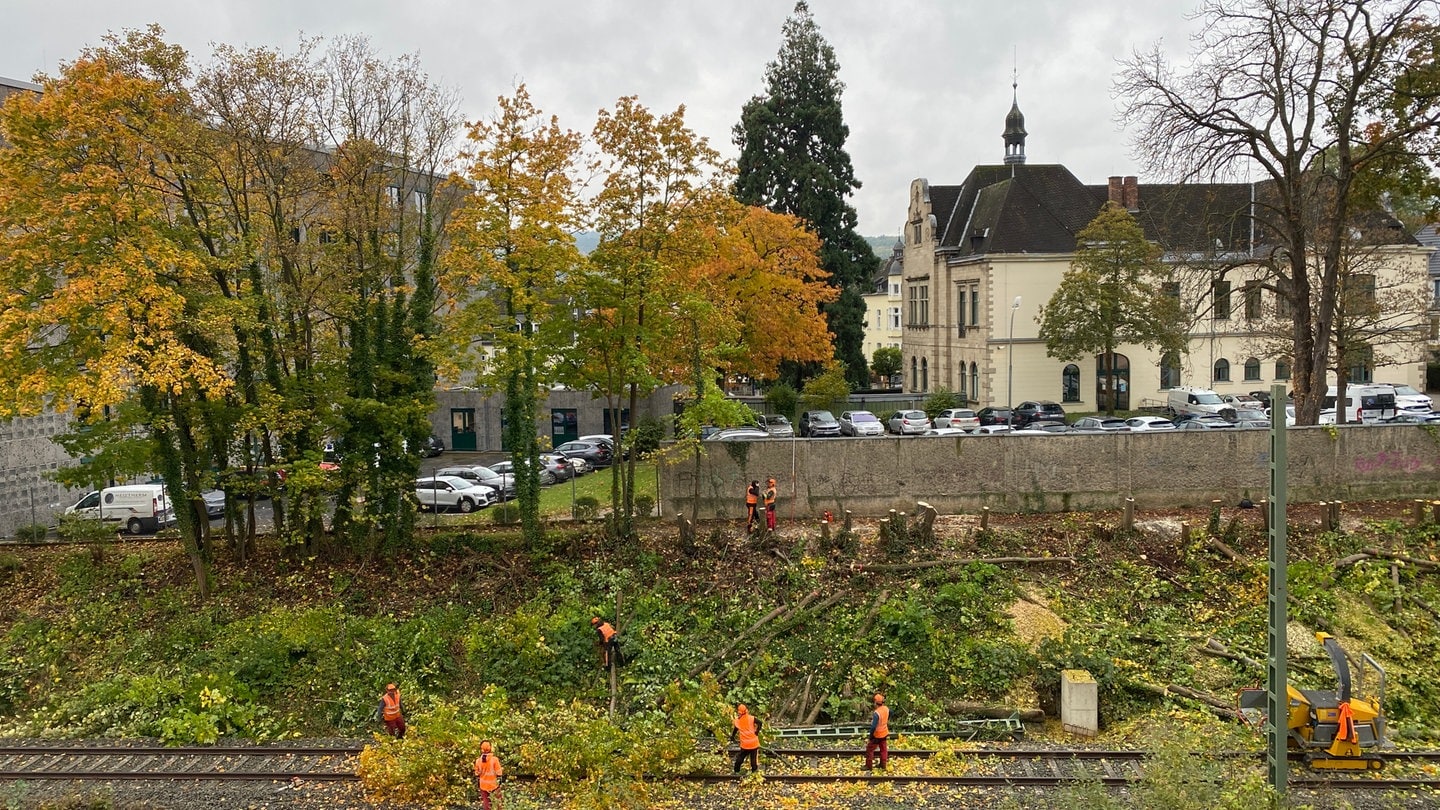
point(882, 723)
point(488, 772)
point(749, 738)
point(606, 632)
point(752, 495)
point(391, 705)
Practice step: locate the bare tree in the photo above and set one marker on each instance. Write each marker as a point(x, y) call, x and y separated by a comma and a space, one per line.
point(1293, 89)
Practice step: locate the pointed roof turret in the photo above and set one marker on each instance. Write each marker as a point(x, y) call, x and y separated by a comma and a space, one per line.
point(1015, 128)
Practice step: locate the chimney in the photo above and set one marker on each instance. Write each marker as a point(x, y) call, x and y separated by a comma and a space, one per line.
point(1116, 191)
point(1132, 195)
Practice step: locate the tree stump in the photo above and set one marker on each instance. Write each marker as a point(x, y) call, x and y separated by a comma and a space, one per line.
point(924, 531)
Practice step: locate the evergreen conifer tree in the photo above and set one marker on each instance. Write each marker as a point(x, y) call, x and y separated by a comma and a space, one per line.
point(793, 160)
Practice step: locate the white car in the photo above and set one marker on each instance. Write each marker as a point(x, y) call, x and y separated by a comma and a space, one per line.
point(957, 418)
point(1140, 424)
point(447, 492)
point(860, 423)
point(946, 431)
point(990, 430)
point(1408, 399)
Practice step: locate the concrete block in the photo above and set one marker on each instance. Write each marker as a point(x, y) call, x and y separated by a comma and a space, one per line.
point(1079, 703)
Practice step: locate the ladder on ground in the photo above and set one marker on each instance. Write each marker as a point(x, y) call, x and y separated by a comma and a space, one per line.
point(989, 728)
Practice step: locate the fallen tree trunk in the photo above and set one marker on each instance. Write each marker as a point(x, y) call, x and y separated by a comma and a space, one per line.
point(1217, 706)
point(961, 707)
point(1370, 553)
point(769, 617)
point(1215, 648)
point(966, 561)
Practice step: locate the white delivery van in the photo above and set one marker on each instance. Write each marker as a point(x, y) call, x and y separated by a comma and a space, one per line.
point(1363, 403)
point(1195, 401)
point(138, 508)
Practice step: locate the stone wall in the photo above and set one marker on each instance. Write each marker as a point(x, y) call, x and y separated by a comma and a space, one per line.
point(1056, 473)
point(27, 457)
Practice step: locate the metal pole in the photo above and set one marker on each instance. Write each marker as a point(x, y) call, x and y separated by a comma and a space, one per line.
point(1010, 370)
point(1277, 696)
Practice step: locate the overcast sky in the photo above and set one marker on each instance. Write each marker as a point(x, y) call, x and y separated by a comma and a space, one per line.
point(928, 83)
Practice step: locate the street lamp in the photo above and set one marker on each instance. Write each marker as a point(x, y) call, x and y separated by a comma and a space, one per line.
point(1010, 372)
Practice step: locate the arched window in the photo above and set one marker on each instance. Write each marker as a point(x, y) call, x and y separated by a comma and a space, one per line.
point(962, 381)
point(914, 374)
point(1170, 370)
point(924, 374)
point(974, 382)
point(1282, 369)
point(1222, 370)
point(1070, 384)
point(1112, 382)
point(1252, 369)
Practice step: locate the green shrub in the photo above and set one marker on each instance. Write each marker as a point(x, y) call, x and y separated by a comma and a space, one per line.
point(644, 505)
point(940, 399)
point(34, 533)
point(84, 530)
point(11, 563)
point(645, 436)
point(587, 507)
point(506, 514)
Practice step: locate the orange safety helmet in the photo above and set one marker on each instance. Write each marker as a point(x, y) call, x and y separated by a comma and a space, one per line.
point(485, 747)
point(741, 709)
point(594, 619)
point(772, 480)
point(879, 699)
point(390, 687)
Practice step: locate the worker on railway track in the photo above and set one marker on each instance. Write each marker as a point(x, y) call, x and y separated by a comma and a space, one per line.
point(488, 774)
point(609, 642)
point(746, 731)
point(879, 734)
point(391, 712)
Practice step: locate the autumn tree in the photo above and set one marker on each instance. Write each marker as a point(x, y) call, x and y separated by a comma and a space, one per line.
point(793, 160)
point(101, 285)
point(1318, 98)
point(506, 277)
point(1111, 295)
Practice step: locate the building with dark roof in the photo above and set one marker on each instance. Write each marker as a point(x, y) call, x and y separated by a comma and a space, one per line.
point(982, 257)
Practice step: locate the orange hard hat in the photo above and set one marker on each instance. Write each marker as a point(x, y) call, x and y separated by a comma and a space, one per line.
point(390, 687)
point(485, 747)
point(772, 480)
point(741, 709)
point(879, 698)
point(594, 619)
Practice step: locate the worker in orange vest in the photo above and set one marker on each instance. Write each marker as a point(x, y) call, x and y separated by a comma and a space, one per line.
point(770, 505)
point(391, 712)
point(488, 774)
point(747, 731)
point(752, 506)
point(879, 734)
point(609, 642)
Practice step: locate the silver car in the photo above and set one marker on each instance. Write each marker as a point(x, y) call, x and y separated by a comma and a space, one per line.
point(776, 425)
point(860, 423)
point(446, 492)
point(909, 422)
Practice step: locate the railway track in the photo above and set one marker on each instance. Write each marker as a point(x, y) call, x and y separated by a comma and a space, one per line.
point(1004, 767)
point(244, 763)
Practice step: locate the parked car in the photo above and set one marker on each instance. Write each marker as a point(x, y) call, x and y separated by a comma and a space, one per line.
point(860, 423)
point(909, 422)
point(504, 485)
point(1143, 424)
point(598, 454)
point(138, 508)
point(776, 425)
point(1107, 423)
point(1038, 410)
point(559, 465)
point(1207, 423)
point(444, 493)
point(432, 447)
point(607, 439)
point(1241, 402)
point(947, 431)
point(547, 476)
point(1409, 399)
point(737, 434)
point(994, 416)
point(957, 418)
point(214, 502)
point(818, 423)
point(990, 430)
point(1412, 418)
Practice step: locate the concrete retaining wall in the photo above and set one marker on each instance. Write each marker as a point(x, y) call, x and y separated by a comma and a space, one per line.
point(1056, 473)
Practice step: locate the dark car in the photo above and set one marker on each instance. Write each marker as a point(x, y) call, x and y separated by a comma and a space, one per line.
point(432, 447)
point(599, 454)
point(819, 423)
point(994, 416)
point(1035, 411)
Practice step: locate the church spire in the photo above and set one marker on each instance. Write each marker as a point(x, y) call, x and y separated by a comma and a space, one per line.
point(1014, 126)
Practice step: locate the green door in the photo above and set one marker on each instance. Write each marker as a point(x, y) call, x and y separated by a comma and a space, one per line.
point(462, 429)
point(564, 426)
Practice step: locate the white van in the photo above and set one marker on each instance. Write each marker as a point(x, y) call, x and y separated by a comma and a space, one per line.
point(1195, 401)
point(1409, 399)
point(1364, 403)
point(140, 508)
